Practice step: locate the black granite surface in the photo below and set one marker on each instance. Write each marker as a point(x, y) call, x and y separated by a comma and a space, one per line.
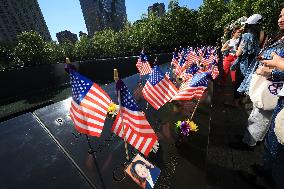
point(181, 160)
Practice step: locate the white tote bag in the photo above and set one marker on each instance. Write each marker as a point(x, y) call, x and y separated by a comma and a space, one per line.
point(263, 93)
point(279, 127)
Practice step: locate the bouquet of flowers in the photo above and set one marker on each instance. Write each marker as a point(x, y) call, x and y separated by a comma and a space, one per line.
point(186, 127)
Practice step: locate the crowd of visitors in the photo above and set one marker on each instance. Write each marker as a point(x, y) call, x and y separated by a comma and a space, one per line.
point(256, 64)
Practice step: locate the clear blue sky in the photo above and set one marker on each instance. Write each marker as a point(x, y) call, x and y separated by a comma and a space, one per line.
point(62, 15)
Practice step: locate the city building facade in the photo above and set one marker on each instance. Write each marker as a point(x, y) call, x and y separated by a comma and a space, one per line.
point(157, 8)
point(17, 16)
point(66, 35)
point(103, 14)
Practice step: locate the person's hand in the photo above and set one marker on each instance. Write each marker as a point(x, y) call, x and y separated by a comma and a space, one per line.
point(276, 61)
point(264, 71)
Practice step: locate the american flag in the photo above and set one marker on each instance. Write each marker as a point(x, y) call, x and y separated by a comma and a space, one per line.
point(158, 89)
point(143, 65)
point(180, 66)
point(89, 105)
point(194, 88)
point(215, 72)
point(188, 74)
point(207, 60)
point(212, 68)
point(131, 124)
point(192, 57)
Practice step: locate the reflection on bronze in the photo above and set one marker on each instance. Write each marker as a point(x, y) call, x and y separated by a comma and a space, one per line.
point(118, 173)
point(59, 121)
point(169, 170)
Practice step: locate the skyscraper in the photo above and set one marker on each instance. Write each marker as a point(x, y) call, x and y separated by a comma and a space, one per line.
point(157, 8)
point(66, 35)
point(17, 16)
point(102, 14)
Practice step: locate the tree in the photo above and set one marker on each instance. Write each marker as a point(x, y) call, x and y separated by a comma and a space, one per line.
point(68, 50)
point(30, 49)
point(6, 54)
point(106, 43)
point(54, 52)
point(84, 48)
point(208, 21)
point(269, 9)
point(173, 4)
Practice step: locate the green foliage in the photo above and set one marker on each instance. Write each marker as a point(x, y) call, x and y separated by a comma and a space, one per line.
point(105, 43)
point(173, 4)
point(180, 26)
point(208, 20)
point(6, 55)
point(30, 49)
point(84, 49)
point(54, 52)
point(68, 49)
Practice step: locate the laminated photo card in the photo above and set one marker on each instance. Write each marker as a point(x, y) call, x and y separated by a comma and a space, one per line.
point(143, 172)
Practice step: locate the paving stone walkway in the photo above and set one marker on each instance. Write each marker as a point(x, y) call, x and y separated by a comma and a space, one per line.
point(224, 163)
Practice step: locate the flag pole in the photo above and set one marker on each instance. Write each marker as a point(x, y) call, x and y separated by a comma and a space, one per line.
point(116, 78)
point(142, 52)
point(195, 108)
point(68, 60)
point(91, 149)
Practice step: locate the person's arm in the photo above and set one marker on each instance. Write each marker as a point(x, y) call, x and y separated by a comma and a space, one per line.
point(239, 51)
point(225, 47)
point(262, 39)
point(270, 73)
point(264, 71)
point(276, 61)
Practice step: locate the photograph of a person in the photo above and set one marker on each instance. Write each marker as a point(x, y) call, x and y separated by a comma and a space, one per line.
point(143, 172)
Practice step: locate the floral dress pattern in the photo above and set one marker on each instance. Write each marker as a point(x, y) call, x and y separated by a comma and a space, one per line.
point(271, 141)
point(258, 121)
point(248, 63)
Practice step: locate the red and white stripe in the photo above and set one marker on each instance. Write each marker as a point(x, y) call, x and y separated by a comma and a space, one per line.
point(188, 93)
point(143, 67)
point(192, 57)
point(137, 131)
point(178, 70)
point(208, 61)
point(89, 116)
point(159, 94)
point(186, 77)
point(215, 72)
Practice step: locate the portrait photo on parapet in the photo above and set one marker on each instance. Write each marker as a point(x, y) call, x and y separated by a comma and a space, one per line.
point(143, 172)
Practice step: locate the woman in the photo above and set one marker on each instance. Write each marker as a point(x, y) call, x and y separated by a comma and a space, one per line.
point(274, 151)
point(247, 51)
point(258, 120)
point(230, 48)
point(229, 51)
point(145, 174)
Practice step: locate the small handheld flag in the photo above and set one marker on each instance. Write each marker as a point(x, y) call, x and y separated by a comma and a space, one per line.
point(194, 88)
point(131, 123)
point(158, 89)
point(143, 65)
point(89, 105)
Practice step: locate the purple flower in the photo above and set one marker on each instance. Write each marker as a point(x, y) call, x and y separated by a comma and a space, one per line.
point(185, 128)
